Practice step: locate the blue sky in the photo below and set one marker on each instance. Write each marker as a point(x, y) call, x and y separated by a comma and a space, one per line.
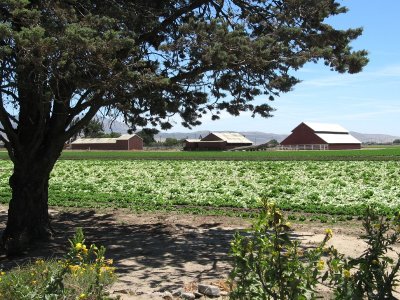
point(367, 102)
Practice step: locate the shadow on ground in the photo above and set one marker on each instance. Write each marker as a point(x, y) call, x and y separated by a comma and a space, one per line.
point(156, 253)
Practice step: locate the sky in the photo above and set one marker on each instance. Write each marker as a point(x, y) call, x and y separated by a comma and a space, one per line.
point(367, 102)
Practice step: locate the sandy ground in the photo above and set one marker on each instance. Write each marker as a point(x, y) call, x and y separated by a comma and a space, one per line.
point(157, 252)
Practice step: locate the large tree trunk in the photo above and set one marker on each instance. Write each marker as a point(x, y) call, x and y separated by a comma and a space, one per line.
point(28, 218)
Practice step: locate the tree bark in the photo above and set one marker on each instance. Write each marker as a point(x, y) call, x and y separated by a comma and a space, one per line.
point(28, 218)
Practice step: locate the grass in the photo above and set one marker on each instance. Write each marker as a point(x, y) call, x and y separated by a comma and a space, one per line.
point(389, 153)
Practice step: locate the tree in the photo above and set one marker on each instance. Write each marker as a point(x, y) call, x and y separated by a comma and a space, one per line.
point(396, 141)
point(170, 142)
point(148, 61)
point(273, 143)
point(147, 134)
point(94, 129)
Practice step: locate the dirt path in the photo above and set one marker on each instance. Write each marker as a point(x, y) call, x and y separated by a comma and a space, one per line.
point(159, 252)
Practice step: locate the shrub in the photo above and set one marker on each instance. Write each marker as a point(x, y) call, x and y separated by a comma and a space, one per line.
point(373, 275)
point(84, 273)
point(269, 264)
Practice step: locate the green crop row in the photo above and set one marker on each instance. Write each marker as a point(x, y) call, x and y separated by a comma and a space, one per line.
point(331, 187)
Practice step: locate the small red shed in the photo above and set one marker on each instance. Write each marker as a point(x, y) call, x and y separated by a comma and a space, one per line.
point(124, 142)
point(320, 136)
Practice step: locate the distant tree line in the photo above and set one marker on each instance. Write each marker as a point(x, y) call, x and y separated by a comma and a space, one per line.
point(149, 140)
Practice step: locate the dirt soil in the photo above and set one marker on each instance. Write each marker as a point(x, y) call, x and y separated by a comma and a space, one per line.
point(158, 252)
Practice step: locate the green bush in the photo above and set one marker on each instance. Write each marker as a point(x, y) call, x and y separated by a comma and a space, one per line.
point(374, 274)
point(270, 264)
point(84, 273)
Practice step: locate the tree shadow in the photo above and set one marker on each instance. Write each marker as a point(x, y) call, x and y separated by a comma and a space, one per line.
point(161, 255)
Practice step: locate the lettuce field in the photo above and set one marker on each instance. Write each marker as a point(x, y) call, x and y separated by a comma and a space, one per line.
point(334, 187)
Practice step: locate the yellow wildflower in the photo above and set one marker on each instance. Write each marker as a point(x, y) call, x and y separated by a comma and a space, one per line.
point(82, 296)
point(321, 264)
point(346, 273)
point(74, 268)
point(78, 246)
point(329, 233)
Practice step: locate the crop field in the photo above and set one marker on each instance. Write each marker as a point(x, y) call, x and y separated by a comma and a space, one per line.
point(333, 187)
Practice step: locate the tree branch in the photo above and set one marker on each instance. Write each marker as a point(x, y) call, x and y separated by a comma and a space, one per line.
point(148, 36)
point(74, 129)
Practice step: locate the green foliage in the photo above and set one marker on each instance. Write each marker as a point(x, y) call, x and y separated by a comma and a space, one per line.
point(94, 129)
point(373, 275)
point(170, 142)
point(273, 143)
point(269, 264)
point(84, 273)
point(147, 134)
point(111, 135)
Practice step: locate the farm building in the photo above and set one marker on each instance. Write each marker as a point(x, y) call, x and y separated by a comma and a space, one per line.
point(217, 141)
point(320, 136)
point(124, 142)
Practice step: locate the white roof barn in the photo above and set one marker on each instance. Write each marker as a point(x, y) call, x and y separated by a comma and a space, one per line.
point(123, 137)
point(232, 137)
point(325, 127)
point(218, 141)
point(309, 135)
point(338, 138)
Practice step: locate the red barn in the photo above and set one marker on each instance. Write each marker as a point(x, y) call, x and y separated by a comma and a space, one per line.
point(320, 136)
point(218, 141)
point(124, 142)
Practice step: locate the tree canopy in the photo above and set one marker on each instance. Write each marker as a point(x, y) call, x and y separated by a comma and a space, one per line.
point(145, 61)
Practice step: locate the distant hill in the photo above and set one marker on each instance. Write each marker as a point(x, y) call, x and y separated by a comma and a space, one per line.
point(374, 138)
point(114, 126)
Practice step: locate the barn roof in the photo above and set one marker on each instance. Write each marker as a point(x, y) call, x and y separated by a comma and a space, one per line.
point(232, 137)
point(126, 136)
point(123, 137)
point(325, 127)
point(338, 138)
